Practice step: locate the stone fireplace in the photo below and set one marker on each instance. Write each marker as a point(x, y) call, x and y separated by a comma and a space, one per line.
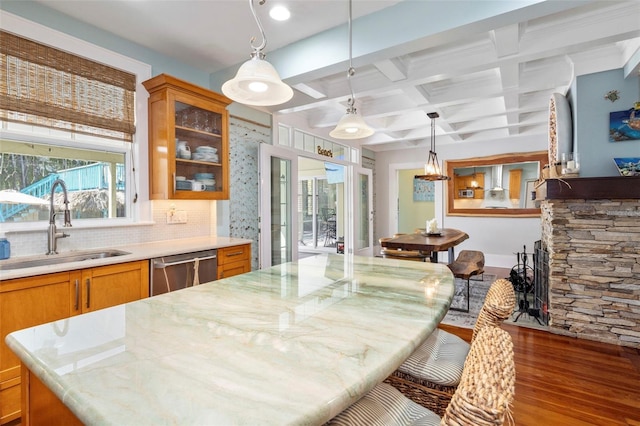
point(591, 231)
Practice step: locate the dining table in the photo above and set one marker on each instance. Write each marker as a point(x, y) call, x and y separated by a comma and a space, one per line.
point(292, 344)
point(444, 239)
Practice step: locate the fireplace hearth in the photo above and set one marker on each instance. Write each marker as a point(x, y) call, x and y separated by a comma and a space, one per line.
point(591, 232)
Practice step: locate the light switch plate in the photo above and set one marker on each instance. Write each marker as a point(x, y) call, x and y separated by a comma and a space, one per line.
point(176, 216)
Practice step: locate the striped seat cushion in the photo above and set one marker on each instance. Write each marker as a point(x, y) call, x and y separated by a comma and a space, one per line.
point(438, 360)
point(385, 405)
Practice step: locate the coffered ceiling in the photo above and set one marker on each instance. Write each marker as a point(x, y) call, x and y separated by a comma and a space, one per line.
point(487, 67)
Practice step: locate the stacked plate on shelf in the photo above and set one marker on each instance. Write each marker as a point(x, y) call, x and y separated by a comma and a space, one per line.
point(183, 184)
point(206, 153)
point(208, 179)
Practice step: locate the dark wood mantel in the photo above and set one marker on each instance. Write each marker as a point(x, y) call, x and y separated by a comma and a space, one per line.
point(589, 188)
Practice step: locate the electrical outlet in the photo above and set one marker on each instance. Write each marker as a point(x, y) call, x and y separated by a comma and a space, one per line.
point(176, 216)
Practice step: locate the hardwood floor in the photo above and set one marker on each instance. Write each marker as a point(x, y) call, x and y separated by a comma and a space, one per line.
point(566, 381)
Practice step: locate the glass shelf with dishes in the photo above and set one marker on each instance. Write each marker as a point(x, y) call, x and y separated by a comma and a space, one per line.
point(197, 160)
point(188, 141)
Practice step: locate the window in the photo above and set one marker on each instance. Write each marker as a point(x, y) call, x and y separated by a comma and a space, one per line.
point(95, 181)
point(66, 114)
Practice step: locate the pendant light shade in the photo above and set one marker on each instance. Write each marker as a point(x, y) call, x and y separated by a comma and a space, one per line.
point(351, 125)
point(257, 82)
point(432, 169)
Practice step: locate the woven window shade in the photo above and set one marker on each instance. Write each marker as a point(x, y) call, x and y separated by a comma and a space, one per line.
point(44, 86)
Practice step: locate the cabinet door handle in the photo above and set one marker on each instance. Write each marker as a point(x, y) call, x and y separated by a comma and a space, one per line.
point(88, 293)
point(238, 253)
point(77, 304)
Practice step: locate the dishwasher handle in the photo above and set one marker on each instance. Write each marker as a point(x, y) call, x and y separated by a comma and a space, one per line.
point(161, 265)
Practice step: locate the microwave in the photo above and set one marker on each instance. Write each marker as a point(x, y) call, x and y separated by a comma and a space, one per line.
point(465, 193)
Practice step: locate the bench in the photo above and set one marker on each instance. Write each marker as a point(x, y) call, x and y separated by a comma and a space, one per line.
point(467, 264)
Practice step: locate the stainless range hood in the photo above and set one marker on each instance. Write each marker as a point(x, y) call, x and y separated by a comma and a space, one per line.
point(496, 197)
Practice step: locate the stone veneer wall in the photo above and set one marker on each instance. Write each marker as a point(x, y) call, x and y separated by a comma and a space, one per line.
point(594, 268)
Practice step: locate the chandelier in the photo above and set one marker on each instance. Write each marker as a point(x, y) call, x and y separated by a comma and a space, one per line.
point(432, 169)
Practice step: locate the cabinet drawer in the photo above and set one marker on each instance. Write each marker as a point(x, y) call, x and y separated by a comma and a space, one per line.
point(234, 268)
point(10, 397)
point(234, 254)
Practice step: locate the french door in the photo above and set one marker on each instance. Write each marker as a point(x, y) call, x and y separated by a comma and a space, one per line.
point(278, 206)
point(282, 216)
point(362, 198)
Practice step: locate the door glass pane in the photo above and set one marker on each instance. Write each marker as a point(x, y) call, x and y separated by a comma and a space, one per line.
point(281, 251)
point(317, 213)
point(362, 223)
point(326, 213)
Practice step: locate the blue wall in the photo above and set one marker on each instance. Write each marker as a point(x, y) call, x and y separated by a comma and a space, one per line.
point(590, 111)
point(50, 18)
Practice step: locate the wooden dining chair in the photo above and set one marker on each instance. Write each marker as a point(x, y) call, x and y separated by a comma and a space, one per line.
point(431, 374)
point(469, 263)
point(486, 391)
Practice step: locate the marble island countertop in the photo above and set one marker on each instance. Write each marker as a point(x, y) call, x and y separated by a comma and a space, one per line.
point(134, 252)
point(291, 344)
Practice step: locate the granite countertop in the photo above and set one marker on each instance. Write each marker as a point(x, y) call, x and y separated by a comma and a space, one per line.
point(136, 252)
point(292, 344)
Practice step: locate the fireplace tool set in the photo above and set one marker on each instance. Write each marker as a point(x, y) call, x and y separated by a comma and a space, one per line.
point(522, 278)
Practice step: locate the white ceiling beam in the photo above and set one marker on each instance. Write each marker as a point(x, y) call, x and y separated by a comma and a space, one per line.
point(393, 69)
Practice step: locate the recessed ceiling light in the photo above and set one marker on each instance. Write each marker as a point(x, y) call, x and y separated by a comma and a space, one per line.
point(279, 13)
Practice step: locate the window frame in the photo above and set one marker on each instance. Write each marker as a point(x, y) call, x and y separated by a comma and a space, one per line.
point(140, 211)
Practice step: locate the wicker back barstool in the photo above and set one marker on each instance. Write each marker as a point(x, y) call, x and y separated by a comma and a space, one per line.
point(487, 387)
point(432, 372)
point(483, 397)
point(499, 304)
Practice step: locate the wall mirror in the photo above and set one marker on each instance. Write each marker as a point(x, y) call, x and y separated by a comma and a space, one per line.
point(499, 185)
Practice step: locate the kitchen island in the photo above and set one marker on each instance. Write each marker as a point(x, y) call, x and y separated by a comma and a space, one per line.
point(291, 344)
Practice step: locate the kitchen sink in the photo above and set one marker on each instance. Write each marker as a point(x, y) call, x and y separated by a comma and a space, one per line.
point(75, 256)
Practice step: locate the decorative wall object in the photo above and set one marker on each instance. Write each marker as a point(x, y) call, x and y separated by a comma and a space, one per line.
point(624, 125)
point(560, 127)
point(612, 95)
point(628, 166)
point(423, 190)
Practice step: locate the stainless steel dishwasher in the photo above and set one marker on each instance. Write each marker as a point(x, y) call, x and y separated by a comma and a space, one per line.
point(180, 271)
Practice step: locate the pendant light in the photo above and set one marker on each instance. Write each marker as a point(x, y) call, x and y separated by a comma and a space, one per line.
point(474, 181)
point(257, 82)
point(432, 169)
point(351, 125)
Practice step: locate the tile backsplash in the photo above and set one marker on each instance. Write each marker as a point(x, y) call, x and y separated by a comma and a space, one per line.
point(25, 243)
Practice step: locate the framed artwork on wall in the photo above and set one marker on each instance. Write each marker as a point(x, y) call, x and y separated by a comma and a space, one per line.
point(624, 125)
point(423, 190)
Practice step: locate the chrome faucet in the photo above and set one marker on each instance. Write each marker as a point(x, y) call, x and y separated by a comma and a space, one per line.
point(53, 234)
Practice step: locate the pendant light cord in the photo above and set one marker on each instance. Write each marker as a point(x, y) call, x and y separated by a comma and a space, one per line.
point(351, 71)
point(433, 134)
point(257, 50)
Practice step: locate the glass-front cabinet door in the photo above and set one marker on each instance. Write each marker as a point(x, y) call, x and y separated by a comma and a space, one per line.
point(198, 150)
point(188, 141)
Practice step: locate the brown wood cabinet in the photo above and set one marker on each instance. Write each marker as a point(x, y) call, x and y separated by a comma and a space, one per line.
point(188, 141)
point(26, 302)
point(234, 260)
point(464, 183)
point(515, 180)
